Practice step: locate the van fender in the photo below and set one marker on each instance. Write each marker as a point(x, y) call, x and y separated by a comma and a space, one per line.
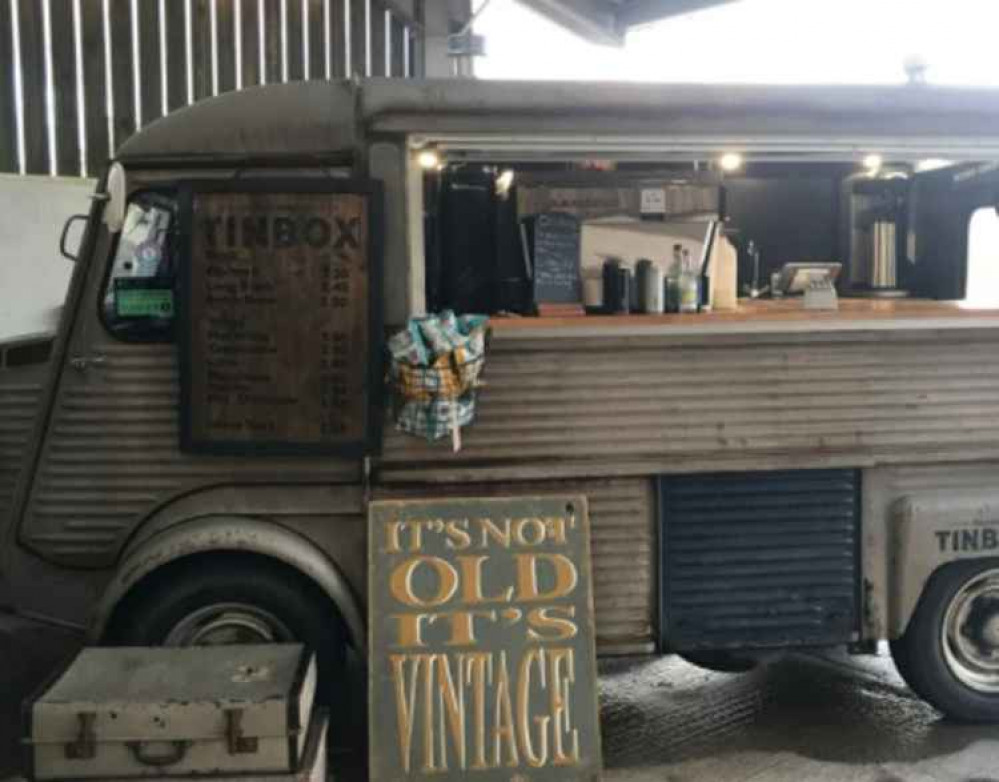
point(932, 530)
point(230, 533)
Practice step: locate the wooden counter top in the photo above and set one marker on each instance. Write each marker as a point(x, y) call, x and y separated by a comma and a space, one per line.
point(765, 316)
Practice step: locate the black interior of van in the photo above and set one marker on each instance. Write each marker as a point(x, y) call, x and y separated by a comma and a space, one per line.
point(790, 211)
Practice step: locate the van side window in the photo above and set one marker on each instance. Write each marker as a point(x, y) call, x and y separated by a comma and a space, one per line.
point(139, 296)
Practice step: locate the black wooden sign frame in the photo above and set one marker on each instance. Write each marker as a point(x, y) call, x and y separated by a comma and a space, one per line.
point(372, 400)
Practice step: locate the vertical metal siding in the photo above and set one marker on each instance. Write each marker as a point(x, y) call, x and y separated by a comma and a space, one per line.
point(760, 559)
point(310, 34)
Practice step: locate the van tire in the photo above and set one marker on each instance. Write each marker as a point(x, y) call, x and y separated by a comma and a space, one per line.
point(246, 600)
point(941, 671)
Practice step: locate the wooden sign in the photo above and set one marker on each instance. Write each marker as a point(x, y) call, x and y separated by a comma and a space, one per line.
point(482, 661)
point(555, 245)
point(280, 342)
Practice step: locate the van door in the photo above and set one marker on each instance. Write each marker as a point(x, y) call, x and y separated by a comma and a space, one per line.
point(112, 430)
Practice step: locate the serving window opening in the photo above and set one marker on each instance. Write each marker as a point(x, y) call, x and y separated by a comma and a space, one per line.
point(571, 239)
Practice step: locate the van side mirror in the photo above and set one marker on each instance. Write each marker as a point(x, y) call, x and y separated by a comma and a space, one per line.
point(64, 239)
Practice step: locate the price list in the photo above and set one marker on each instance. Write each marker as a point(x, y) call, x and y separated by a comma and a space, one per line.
point(278, 320)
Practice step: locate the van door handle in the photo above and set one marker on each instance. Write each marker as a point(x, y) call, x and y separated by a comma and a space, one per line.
point(83, 363)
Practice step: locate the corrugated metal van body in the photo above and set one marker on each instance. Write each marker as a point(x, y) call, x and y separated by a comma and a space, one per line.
point(111, 458)
point(668, 403)
point(21, 390)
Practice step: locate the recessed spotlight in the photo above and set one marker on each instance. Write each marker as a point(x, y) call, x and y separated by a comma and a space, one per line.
point(730, 161)
point(504, 182)
point(429, 159)
point(873, 163)
point(932, 164)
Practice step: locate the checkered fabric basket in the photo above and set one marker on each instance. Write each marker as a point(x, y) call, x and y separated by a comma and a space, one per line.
point(437, 363)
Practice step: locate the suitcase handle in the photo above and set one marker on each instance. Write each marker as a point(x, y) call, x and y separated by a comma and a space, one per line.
point(158, 759)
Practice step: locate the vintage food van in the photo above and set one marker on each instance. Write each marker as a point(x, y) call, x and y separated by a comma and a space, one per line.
point(762, 479)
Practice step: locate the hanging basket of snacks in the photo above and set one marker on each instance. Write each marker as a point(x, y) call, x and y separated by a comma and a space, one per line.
point(437, 363)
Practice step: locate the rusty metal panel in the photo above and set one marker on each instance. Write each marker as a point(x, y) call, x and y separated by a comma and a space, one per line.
point(618, 405)
point(482, 641)
point(623, 545)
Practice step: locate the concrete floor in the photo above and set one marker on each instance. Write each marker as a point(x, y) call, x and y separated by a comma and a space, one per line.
point(803, 718)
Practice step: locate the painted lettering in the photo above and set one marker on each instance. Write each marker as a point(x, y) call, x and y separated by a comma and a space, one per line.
point(968, 540)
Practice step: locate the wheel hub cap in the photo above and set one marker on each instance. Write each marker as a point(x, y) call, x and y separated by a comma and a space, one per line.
point(970, 633)
point(225, 624)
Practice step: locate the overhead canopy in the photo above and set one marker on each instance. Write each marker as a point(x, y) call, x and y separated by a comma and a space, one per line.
point(607, 21)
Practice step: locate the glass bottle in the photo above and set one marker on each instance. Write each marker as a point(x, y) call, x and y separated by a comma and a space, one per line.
point(689, 284)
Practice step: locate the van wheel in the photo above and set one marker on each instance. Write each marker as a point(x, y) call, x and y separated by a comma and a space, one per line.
point(237, 601)
point(720, 662)
point(949, 654)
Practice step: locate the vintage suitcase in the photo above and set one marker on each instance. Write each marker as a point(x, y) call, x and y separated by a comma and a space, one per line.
point(131, 712)
point(314, 761)
point(313, 768)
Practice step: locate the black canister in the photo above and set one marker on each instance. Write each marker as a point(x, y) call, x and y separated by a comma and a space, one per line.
point(625, 285)
point(643, 275)
point(612, 293)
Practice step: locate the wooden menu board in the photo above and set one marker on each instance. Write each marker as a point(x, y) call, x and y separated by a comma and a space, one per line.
point(482, 661)
point(280, 334)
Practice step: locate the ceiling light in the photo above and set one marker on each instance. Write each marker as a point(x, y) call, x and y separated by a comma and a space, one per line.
point(873, 164)
point(932, 164)
point(730, 161)
point(504, 181)
point(429, 159)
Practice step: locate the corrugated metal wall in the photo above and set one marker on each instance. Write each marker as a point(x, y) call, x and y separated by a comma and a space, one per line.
point(78, 77)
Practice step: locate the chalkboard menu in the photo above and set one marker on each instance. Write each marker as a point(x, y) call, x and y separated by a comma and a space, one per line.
point(482, 662)
point(278, 309)
point(555, 244)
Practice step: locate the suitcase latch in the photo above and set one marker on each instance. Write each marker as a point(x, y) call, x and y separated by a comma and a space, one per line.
point(84, 747)
point(238, 743)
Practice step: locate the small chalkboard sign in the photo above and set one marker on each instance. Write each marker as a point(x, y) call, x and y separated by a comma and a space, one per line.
point(554, 244)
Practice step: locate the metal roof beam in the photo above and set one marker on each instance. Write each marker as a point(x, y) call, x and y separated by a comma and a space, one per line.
point(593, 20)
point(639, 12)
